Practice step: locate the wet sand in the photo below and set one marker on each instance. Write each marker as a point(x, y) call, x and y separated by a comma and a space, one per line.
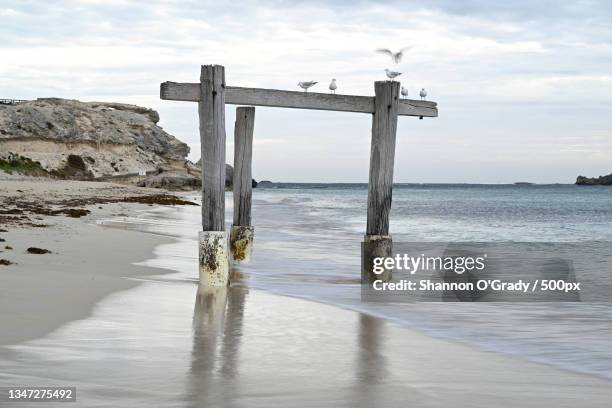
point(71, 318)
point(174, 345)
point(40, 292)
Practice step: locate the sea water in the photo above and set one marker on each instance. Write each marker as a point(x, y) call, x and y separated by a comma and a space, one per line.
point(307, 245)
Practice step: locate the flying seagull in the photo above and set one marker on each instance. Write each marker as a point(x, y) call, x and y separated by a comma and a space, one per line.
point(306, 85)
point(423, 93)
point(404, 92)
point(333, 86)
point(392, 74)
point(396, 57)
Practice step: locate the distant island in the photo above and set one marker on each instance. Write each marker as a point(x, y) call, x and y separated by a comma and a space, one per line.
point(523, 183)
point(594, 181)
point(265, 184)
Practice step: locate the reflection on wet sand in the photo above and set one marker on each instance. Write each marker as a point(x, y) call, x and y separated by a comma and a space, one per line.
point(217, 332)
point(216, 378)
point(152, 346)
point(371, 362)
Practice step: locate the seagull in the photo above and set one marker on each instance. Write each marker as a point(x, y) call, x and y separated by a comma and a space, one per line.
point(423, 94)
point(392, 74)
point(333, 86)
point(306, 85)
point(404, 92)
point(396, 57)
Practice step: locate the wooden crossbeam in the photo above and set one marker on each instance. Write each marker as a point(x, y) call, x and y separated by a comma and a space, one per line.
point(234, 95)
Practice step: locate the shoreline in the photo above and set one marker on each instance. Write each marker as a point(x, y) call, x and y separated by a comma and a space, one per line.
point(373, 360)
point(41, 292)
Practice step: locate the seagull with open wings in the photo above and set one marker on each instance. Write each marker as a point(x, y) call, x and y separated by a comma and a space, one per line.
point(396, 57)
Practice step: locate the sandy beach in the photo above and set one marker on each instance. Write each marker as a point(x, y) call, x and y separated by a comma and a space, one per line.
point(40, 292)
point(85, 315)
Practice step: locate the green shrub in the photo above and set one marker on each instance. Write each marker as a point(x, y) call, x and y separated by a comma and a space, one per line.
point(22, 165)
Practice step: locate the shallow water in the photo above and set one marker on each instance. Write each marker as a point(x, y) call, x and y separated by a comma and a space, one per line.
point(307, 245)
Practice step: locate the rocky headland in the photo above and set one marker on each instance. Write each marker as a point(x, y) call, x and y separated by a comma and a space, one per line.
point(594, 181)
point(85, 140)
point(102, 141)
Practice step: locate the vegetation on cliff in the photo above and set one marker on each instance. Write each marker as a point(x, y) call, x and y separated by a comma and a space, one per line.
point(21, 165)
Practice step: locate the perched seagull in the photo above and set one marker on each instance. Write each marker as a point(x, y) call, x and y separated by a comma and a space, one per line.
point(333, 86)
point(404, 92)
point(396, 57)
point(423, 93)
point(392, 74)
point(306, 85)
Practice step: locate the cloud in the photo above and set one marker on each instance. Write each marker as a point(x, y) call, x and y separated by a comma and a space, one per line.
point(520, 70)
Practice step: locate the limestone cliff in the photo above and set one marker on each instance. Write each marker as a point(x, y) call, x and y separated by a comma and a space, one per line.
point(106, 138)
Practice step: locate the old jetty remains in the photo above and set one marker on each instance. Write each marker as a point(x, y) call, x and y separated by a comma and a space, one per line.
point(212, 94)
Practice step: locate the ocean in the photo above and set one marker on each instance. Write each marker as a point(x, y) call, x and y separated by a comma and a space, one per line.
point(307, 245)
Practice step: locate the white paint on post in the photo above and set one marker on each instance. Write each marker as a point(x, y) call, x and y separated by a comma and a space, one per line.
point(375, 246)
point(213, 258)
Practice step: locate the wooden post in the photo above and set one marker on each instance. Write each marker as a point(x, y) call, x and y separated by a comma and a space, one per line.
point(377, 242)
point(214, 262)
point(243, 153)
point(241, 235)
point(211, 109)
point(382, 155)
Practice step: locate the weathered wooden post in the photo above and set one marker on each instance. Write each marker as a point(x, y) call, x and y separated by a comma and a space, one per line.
point(377, 241)
point(213, 245)
point(241, 235)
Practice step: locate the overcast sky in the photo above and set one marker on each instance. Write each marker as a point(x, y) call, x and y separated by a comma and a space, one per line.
point(524, 88)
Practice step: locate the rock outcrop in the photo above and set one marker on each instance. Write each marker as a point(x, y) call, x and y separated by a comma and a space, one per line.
point(229, 175)
point(76, 139)
point(265, 184)
point(594, 181)
point(172, 181)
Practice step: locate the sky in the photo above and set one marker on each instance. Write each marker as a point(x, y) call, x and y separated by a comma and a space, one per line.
point(524, 88)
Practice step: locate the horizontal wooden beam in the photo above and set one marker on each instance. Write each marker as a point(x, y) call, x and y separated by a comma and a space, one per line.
point(234, 95)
